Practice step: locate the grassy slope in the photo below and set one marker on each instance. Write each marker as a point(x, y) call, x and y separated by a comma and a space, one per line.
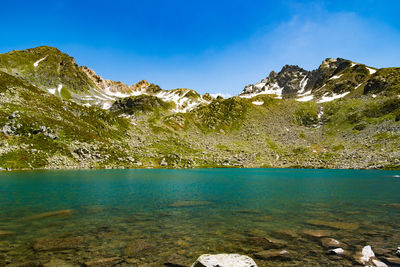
point(357, 131)
point(71, 122)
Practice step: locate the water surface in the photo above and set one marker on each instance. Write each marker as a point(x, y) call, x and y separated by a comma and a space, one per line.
point(151, 217)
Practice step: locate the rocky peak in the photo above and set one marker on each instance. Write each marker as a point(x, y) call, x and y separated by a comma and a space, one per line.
point(288, 81)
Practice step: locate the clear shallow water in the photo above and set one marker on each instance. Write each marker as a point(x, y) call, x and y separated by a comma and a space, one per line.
point(157, 216)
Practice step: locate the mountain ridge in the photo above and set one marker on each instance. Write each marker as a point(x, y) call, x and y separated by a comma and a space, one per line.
point(56, 114)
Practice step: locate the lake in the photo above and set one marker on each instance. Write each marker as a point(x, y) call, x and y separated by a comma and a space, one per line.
point(157, 217)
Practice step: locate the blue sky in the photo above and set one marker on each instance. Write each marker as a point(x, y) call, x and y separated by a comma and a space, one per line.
point(210, 46)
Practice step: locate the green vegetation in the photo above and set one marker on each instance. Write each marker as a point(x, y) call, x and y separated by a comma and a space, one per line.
point(41, 130)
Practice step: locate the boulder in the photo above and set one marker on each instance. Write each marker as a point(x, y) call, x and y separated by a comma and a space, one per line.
point(398, 251)
point(224, 260)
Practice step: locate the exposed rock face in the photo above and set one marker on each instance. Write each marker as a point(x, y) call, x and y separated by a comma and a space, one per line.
point(224, 260)
point(295, 82)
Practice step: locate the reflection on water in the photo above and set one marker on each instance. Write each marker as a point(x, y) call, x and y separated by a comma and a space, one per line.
point(154, 217)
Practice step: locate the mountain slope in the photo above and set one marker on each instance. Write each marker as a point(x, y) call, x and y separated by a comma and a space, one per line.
point(342, 115)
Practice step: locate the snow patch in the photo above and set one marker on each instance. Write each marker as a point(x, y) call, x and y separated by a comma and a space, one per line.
point(357, 86)
point(87, 105)
point(52, 91)
point(273, 89)
point(303, 84)
point(258, 103)
point(373, 95)
point(59, 87)
point(305, 98)
point(331, 98)
point(40, 60)
point(106, 105)
point(335, 77)
point(371, 70)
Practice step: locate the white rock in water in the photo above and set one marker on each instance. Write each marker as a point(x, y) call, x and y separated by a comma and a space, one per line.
point(337, 251)
point(378, 263)
point(224, 260)
point(398, 251)
point(367, 254)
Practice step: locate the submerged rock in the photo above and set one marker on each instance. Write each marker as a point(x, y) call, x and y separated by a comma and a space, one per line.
point(224, 260)
point(265, 243)
point(334, 225)
point(393, 260)
point(189, 203)
point(378, 263)
point(273, 254)
point(6, 233)
point(58, 213)
point(250, 212)
point(136, 247)
point(54, 244)
point(336, 251)
point(58, 263)
point(103, 262)
point(331, 243)
point(286, 233)
point(317, 233)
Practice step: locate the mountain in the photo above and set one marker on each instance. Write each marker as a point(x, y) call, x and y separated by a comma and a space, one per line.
point(56, 114)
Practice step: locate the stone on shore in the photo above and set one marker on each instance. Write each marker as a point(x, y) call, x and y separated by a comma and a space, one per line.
point(224, 260)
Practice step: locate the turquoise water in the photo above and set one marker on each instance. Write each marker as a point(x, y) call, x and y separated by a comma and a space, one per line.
point(157, 216)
